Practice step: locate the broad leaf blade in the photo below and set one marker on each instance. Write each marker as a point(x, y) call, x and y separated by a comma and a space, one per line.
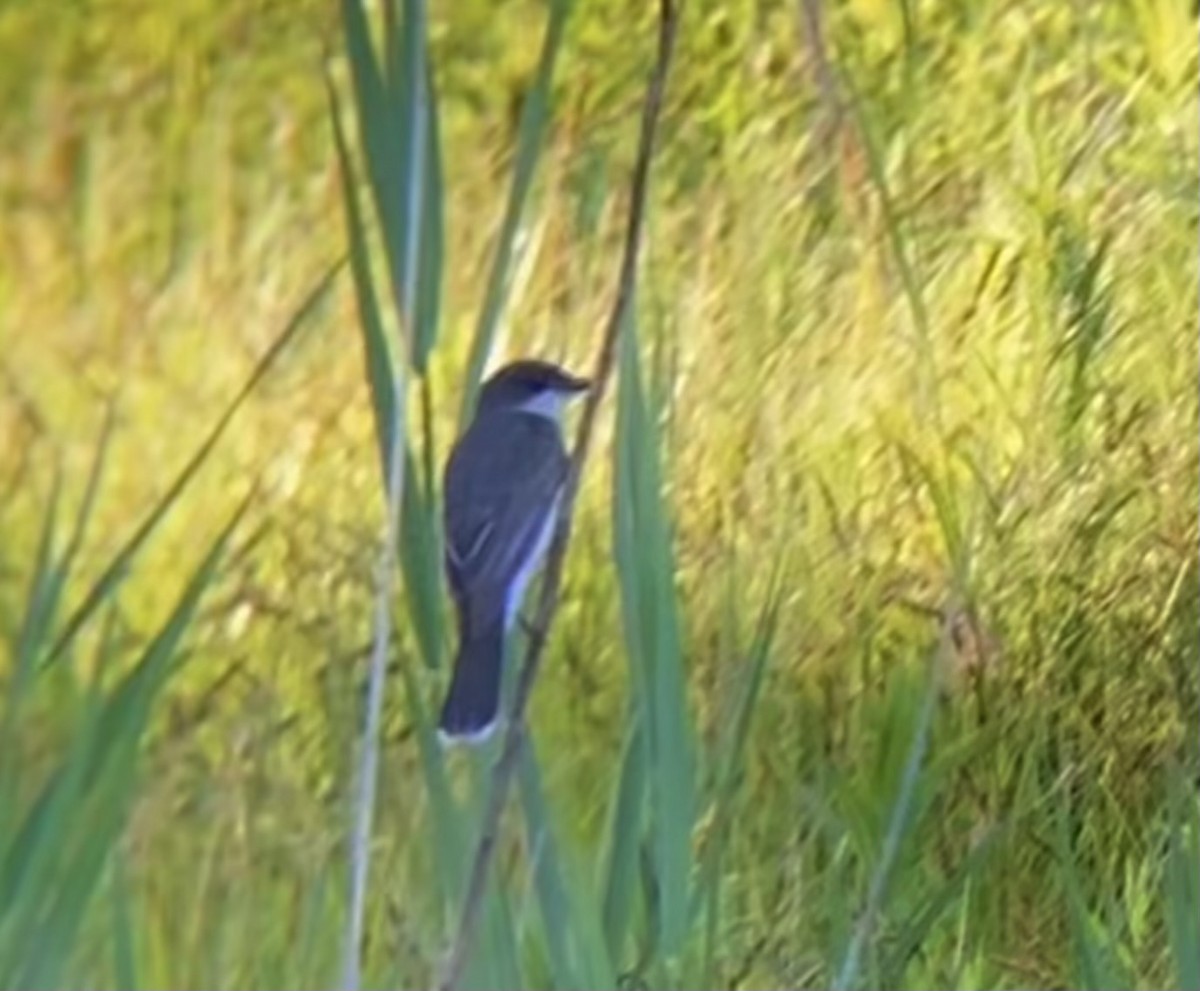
point(535, 114)
point(657, 643)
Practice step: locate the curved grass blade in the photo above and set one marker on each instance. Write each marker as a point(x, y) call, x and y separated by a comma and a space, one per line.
point(1182, 880)
point(707, 889)
point(427, 318)
point(624, 836)
point(918, 927)
point(125, 968)
point(899, 822)
point(900, 242)
point(47, 585)
point(401, 138)
point(377, 355)
point(420, 553)
point(379, 127)
point(117, 570)
point(446, 825)
point(948, 510)
point(419, 548)
point(593, 965)
point(56, 859)
point(44, 586)
point(421, 562)
point(646, 572)
point(495, 960)
point(535, 114)
point(417, 227)
point(547, 875)
point(1096, 959)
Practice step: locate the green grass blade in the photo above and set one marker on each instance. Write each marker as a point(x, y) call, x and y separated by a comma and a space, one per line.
point(420, 552)
point(902, 253)
point(427, 317)
point(50, 579)
point(1182, 881)
point(370, 102)
point(401, 136)
point(495, 960)
point(47, 584)
point(917, 928)
point(309, 942)
point(948, 510)
point(1077, 272)
point(417, 227)
point(759, 654)
point(624, 836)
point(409, 107)
point(125, 969)
point(634, 581)
point(57, 859)
point(421, 562)
point(734, 745)
point(535, 115)
point(593, 965)
point(447, 817)
point(377, 355)
point(379, 126)
point(706, 892)
point(391, 124)
point(647, 561)
point(40, 606)
point(557, 921)
point(28, 860)
point(27, 852)
point(1095, 961)
point(899, 823)
point(91, 489)
point(114, 575)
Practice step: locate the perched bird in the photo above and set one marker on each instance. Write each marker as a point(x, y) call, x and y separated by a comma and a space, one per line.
point(502, 486)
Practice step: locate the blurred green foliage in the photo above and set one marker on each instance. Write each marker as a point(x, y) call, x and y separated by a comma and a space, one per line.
point(920, 373)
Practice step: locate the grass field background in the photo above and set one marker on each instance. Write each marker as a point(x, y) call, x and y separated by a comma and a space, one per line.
point(913, 389)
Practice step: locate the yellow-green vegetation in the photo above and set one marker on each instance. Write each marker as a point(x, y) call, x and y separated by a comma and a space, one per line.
point(904, 481)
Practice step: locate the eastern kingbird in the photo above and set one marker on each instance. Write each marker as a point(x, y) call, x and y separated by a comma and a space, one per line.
point(502, 485)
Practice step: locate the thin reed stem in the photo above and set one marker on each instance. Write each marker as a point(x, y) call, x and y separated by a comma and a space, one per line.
point(502, 775)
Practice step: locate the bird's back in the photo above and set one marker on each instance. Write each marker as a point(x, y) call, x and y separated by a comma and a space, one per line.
point(501, 483)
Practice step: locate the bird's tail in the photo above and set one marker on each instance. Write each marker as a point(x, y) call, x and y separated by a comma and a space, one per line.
point(472, 705)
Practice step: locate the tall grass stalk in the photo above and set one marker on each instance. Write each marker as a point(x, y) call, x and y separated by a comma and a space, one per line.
point(368, 769)
point(118, 568)
point(456, 957)
point(53, 859)
point(403, 104)
point(531, 128)
point(898, 824)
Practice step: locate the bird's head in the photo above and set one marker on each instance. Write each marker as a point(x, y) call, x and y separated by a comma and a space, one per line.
point(530, 387)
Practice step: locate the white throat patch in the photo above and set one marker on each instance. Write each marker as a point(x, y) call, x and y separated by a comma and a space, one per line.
point(547, 403)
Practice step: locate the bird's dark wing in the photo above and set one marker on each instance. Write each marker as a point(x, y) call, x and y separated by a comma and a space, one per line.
point(502, 480)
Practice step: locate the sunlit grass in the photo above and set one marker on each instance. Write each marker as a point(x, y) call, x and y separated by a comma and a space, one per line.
point(1038, 163)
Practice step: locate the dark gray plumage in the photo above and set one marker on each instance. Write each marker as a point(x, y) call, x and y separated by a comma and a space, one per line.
point(501, 489)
